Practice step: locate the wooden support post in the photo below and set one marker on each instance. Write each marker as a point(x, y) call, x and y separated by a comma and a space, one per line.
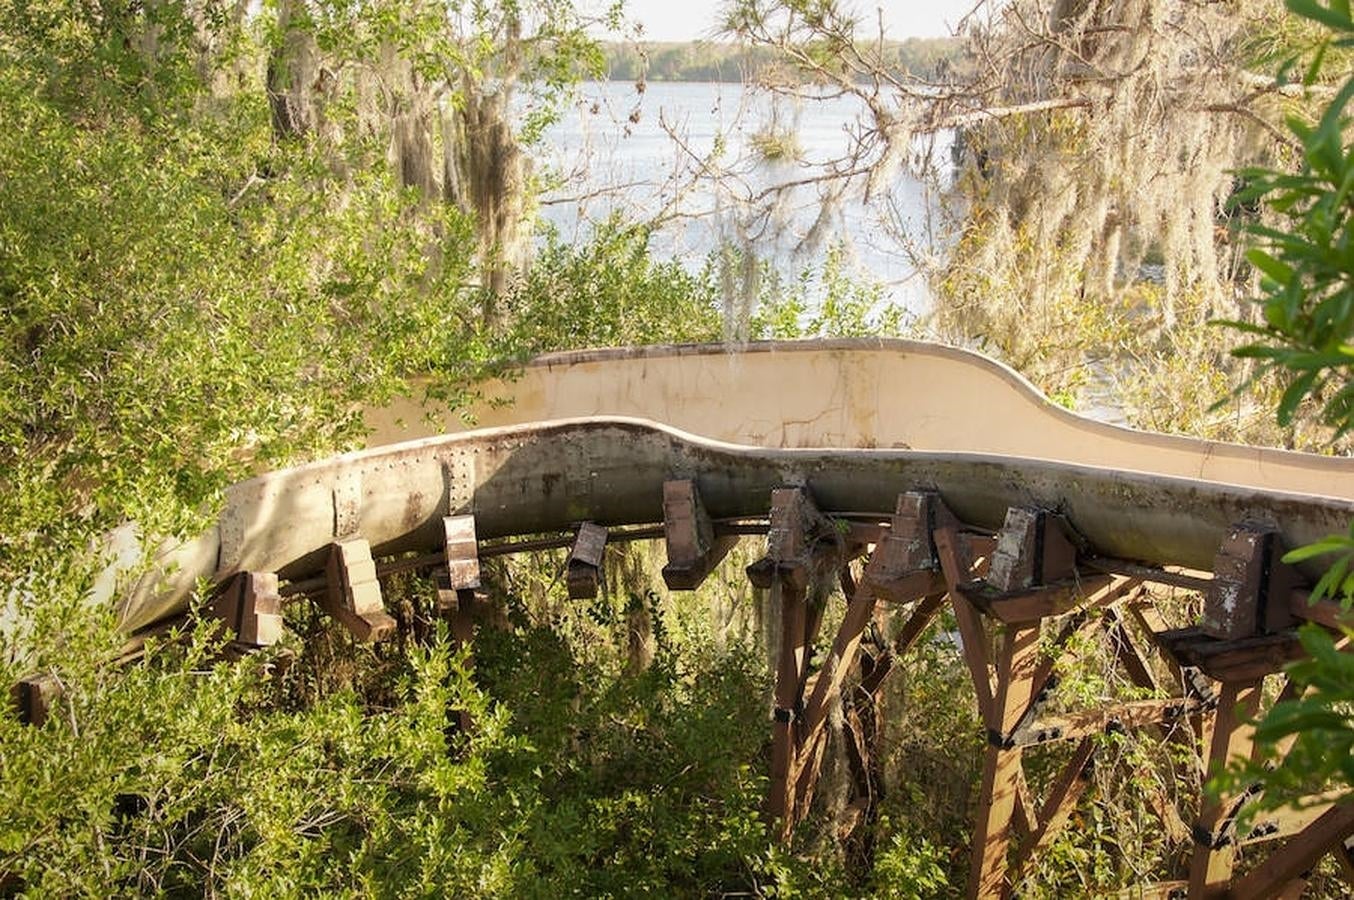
point(903, 568)
point(583, 571)
point(790, 665)
point(251, 608)
point(353, 595)
point(1139, 671)
point(1127, 652)
point(1017, 660)
point(1026, 817)
point(34, 696)
point(1215, 844)
point(693, 549)
point(798, 540)
point(1247, 574)
point(971, 631)
point(1067, 789)
point(922, 616)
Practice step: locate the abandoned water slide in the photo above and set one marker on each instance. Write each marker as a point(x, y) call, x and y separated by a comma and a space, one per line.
point(959, 486)
point(592, 436)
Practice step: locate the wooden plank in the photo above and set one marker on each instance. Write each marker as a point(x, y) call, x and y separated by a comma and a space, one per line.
point(1298, 855)
point(1073, 625)
point(1121, 716)
point(837, 663)
point(1032, 604)
point(1325, 612)
point(1214, 854)
point(1244, 659)
point(1127, 653)
point(353, 595)
point(1157, 890)
point(1344, 855)
point(1016, 663)
point(1290, 820)
point(1062, 799)
point(1026, 813)
point(922, 616)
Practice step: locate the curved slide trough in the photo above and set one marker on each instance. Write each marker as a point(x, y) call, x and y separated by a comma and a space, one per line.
point(593, 436)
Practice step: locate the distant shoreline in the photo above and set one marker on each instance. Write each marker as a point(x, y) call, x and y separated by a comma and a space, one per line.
point(716, 61)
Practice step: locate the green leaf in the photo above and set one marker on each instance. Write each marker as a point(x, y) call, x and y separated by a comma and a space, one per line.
point(1294, 395)
point(1279, 271)
point(1314, 69)
point(1332, 544)
point(1309, 9)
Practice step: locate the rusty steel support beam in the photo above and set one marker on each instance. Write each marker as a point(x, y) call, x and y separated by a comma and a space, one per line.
point(1214, 837)
point(1017, 659)
point(693, 549)
point(583, 569)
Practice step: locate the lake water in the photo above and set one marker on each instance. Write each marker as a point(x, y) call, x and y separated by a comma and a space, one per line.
point(651, 154)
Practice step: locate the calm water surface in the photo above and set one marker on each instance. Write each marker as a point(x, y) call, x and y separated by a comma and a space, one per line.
point(622, 149)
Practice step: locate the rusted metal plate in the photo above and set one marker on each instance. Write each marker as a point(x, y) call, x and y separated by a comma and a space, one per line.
point(1251, 588)
point(354, 595)
point(33, 698)
point(583, 570)
point(251, 608)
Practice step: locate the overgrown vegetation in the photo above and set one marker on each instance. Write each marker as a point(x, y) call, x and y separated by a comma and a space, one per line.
point(225, 231)
point(1306, 336)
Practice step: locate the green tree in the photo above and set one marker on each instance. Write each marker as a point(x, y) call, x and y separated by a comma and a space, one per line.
point(1306, 337)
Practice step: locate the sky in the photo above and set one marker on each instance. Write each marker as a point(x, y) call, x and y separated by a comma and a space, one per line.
point(687, 20)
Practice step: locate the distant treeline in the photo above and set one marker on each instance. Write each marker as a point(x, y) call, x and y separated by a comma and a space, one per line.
point(709, 61)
